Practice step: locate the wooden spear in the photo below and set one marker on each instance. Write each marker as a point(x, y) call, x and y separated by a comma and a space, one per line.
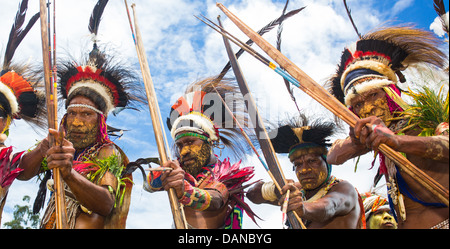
point(178, 214)
point(317, 92)
point(52, 115)
point(260, 131)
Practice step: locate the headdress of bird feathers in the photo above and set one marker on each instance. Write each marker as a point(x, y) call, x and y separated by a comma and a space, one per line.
point(201, 111)
point(19, 97)
point(110, 84)
point(377, 59)
point(298, 136)
point(439, 7)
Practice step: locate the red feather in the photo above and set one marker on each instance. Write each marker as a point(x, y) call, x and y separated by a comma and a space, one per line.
point(8, 167)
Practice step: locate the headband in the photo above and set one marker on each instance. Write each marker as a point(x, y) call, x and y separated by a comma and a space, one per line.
point(86, 106)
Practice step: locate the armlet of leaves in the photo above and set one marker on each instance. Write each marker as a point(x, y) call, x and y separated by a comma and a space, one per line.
point(428, 111)
point(113, 165)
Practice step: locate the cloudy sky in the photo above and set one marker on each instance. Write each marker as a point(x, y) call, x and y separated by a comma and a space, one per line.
point(182, 50)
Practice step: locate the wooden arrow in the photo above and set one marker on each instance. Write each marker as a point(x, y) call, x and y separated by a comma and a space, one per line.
point(317, 92)
point(52, 115)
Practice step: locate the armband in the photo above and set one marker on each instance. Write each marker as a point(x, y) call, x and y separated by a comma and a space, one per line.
point(195, 198)
point(268, 191)
point(154, 180)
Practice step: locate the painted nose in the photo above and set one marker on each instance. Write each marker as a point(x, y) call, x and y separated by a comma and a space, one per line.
point(367, 110)
point(184, 151)
point(77, 122)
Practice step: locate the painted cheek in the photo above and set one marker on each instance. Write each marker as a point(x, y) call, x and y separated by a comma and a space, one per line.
point(195, 148)
point(366, 110)
point(322, 177)
point(375, 221)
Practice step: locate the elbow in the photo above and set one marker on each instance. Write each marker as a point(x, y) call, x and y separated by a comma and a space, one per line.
point(334, 158)
point(106, 206)
point(106, 209)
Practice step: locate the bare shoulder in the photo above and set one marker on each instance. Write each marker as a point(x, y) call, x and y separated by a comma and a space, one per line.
point(108, 150)
point(344, 187)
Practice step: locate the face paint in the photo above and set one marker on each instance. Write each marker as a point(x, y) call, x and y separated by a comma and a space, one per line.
point(81, 124)
point(82, 137)
point(311, 171)
point(372, 103)
point(382, 220)
point(194, 154)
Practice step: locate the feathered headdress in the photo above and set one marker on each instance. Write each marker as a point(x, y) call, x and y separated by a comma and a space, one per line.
point(297, 137)
point(201, 111)
point(377, 59)
point(107, 82)
point(18, 98)
point(373, 203)
point(439, 7)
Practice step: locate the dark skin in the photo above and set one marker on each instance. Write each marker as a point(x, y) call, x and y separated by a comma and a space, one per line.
point(338, 209)
point(429, 154)
point(94, 197)
point(190, 149)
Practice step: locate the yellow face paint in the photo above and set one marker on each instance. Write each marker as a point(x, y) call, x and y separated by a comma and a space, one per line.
point(378, 108)
point(382, 220)
point(311, 171)
point(194, 154)
point(373, 103)
point(81, 124)
point(82, 136)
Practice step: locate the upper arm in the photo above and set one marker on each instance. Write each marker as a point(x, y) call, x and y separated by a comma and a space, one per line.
point(342, 150)
point(342, 198)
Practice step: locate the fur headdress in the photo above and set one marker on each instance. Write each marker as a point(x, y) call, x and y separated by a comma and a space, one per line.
point(297, 137)
point(108, 83)
point(201, 111)
point(377, 59)
point(18, 97)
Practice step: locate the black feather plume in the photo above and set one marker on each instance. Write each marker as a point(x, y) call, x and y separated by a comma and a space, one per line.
point(280, 31)
point(349, 13)
point(39, 202)
point(261, 32)
point(17, 33)
point(96, 16)
point(318, 133)
point(132, 166)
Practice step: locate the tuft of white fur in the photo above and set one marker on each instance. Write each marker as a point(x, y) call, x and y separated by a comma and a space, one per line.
point(10, 97)
point(102, 90)
point(205, 124)
point(365, 87)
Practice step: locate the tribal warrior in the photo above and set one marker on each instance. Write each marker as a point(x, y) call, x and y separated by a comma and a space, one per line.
point(91, 165)
point(367, 82)
point(19, 99)
point(378, 213)
point(319, 198)
point(210, 190)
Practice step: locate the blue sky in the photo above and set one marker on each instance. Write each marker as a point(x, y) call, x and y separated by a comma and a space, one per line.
point(182, 50)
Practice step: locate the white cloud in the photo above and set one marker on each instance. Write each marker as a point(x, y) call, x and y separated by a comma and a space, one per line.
point(436, 26)
point(401, 5)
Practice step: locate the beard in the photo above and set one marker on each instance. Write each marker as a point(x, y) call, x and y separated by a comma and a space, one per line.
point(380, 109)
point(82, 137)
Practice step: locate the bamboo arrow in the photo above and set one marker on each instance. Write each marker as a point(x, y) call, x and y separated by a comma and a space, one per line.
point(52, 115)
point(260, 131)
point(317, 92)
point(177, 212)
